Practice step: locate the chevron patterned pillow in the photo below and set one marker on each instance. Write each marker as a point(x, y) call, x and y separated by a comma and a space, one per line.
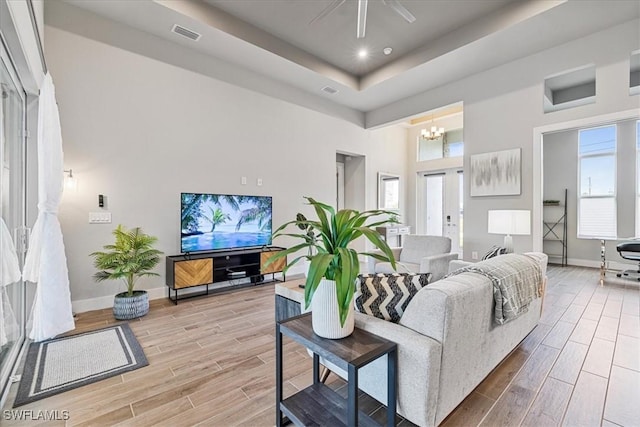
point(386, 296)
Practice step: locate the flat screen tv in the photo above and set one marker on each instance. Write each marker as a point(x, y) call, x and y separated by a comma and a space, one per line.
point(222, 221)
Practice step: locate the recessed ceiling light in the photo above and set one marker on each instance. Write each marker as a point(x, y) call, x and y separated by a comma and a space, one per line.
point(362, 53)
point(387, 50)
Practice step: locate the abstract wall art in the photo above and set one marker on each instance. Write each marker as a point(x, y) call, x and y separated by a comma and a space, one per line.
point(496, 174)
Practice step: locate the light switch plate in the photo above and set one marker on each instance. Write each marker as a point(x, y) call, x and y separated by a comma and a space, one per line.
point(99, 217)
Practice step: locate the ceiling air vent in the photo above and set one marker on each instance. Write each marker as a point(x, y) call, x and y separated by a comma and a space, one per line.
point(186, 32)
point(330, 90)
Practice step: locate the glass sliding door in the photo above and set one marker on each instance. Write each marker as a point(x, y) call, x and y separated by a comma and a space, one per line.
point(12, 213)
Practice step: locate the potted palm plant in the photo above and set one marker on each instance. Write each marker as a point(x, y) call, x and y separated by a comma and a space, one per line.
point(334, 266)
point(130, 257)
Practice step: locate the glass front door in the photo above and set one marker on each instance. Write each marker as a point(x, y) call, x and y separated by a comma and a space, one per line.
point(434, 204)
point(12, 213)
point(441, 207)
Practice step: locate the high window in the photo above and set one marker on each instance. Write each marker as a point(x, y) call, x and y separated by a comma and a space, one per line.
point(597, 214)
point(449, 145)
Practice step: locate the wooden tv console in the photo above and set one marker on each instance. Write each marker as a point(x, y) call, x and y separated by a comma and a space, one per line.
point(206, 268)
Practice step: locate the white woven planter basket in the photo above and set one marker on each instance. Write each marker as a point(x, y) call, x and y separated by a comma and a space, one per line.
point(126, 308)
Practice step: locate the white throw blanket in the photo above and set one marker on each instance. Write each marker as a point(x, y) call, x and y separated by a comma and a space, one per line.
point(517, 280)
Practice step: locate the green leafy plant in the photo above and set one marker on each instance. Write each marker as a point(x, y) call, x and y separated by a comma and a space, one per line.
point(310, 235)
point(332, 233)
point(130, 257)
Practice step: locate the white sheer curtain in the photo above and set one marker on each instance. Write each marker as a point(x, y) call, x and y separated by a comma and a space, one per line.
point(46, 263)
point(9, 273)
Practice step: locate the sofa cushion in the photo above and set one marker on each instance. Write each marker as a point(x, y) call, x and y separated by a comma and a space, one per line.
point(386, 296)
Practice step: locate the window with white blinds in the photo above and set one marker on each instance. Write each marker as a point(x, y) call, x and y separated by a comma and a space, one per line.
point(597, 213)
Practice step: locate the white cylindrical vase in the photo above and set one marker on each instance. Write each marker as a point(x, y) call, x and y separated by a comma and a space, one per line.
point(325, 316)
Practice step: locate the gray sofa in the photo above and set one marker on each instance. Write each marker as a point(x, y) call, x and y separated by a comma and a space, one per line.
point(418, 254)
point(447, 344)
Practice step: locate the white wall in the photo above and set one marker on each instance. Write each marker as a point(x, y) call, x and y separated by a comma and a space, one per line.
point(141, 131)
point(67, 17)
point(113, 101)
point(503, 105)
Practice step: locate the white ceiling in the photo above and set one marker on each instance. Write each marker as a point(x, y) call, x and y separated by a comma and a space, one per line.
point(333, 38)
point(273, 39)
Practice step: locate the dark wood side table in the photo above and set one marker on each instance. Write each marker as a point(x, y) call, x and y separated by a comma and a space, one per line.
point(289, 298)
point(318, 404)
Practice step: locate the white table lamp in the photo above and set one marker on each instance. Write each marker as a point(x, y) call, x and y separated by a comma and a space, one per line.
point(509, 222)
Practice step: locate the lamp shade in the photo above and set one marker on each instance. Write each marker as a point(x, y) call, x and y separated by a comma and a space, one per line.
point(509, 222)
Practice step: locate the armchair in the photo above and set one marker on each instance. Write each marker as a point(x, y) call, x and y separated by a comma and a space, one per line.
point(418, 254)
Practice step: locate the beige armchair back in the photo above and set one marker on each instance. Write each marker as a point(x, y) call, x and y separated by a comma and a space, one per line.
point(419, 254)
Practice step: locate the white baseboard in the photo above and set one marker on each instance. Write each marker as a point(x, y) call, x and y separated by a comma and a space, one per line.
point(98, 303)
point(612, 265)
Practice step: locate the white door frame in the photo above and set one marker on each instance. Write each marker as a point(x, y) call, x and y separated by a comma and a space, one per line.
point(538, 170)
point(339, 185)
point(11, 359)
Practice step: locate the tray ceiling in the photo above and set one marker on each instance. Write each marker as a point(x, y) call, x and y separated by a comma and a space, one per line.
point(273, 39)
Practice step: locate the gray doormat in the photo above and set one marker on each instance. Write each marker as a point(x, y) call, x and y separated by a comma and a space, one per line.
point(62, 364)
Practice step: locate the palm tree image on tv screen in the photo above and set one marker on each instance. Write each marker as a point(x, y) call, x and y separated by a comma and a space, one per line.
point(220, 221)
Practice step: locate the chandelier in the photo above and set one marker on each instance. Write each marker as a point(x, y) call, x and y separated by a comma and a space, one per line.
point(432, 134)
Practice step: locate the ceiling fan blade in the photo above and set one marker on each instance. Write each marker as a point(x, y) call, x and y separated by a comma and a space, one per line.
point(400, 10)
point(362, 18)
point(327, 10)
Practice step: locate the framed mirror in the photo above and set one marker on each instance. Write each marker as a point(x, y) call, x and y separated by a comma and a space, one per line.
point(388, 191)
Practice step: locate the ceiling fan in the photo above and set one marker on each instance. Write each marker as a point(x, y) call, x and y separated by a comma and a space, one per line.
point(362, 13)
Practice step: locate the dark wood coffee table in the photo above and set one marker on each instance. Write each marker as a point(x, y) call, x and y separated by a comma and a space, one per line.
point(318, 404)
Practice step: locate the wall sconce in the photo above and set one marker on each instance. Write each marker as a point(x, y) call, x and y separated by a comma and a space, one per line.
point(70, 181)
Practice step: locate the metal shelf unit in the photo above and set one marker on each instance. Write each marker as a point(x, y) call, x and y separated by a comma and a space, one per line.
point(555, 230)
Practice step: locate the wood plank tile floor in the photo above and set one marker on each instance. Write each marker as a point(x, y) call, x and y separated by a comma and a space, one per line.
point(212, 364)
